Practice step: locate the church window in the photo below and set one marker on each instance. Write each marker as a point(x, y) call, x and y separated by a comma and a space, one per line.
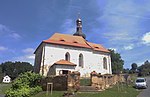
point(104, 63)
point(81, 60)
point(67, 56)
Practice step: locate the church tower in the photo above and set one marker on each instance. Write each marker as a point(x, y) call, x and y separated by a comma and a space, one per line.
point(79, 29)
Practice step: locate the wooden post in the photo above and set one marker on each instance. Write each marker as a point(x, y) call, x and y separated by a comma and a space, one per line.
point(49, 85)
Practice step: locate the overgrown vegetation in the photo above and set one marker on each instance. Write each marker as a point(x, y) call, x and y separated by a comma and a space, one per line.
point(85, 82)
point(144, 69)
point(116, 61)
point(25, 85)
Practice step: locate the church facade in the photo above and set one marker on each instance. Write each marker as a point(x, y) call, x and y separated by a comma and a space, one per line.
point(63, 53)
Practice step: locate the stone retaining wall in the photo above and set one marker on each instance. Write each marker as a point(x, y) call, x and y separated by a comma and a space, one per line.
point(101, 82)
point(69, 82)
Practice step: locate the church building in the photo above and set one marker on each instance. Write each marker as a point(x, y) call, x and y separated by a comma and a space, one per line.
point(63, 53)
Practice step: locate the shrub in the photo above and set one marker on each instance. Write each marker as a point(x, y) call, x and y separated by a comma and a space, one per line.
point(25, 85)
point(35, 90)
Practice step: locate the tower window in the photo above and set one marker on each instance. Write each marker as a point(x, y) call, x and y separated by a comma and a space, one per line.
point(81, 60)
point(67, 56)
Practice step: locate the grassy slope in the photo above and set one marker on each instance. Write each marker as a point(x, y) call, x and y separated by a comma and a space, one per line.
point(4, 87)
point(116, 91)
point(85, 82)
point(54, 94)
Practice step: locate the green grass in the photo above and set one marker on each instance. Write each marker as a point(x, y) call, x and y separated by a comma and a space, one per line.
point(4, 87)
point(116, 91)
point(54, 94)
point(85, 82)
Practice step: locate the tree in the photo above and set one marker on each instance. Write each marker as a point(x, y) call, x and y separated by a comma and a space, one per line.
point(144, 69)
point(126, 70)
point(133, 67)
point(13, 69)
point(116, 62)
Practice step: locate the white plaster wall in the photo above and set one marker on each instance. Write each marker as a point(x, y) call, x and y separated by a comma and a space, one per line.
point(93, 61)
point(38, 59)
point(63, 67)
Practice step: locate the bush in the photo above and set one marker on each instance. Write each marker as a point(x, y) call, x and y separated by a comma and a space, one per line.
point(23, 92)
point(35, 90)
point(25, 85)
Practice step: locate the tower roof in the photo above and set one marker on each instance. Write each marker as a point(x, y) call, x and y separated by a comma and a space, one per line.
point(79, 29)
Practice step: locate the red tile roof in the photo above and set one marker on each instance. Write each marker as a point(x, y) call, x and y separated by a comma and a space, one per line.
point(77, 41)
point(97, 47)
point(69, 40)
point(64, 62)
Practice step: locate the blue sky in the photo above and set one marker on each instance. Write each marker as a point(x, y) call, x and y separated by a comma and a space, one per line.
point(123, 25)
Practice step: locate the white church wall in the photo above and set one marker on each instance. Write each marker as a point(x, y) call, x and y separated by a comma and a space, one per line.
point(92, 61)
point(62, 67)
point(38, 58)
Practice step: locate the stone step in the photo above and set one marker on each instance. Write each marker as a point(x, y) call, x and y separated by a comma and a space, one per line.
point(87, 89)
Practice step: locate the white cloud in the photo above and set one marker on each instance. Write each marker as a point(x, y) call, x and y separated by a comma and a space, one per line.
point(146, 38)
point(115, 49)
point(2, 48)
point(118, 36)
point(3, 28)
point(6, 32)
point(28, 50)
point(27, 56)
point(68, 26)
point(129, 47)
point(15, 35)
point(30, 56)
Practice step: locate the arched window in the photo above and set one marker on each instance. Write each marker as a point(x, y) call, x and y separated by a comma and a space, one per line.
point(104, 63)
point(67, 56)
point(81, 60)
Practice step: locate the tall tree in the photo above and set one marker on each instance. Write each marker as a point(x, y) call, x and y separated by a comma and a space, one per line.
point(133, 67)
point(13, 69)
point(116, 62)
point(144, 69)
